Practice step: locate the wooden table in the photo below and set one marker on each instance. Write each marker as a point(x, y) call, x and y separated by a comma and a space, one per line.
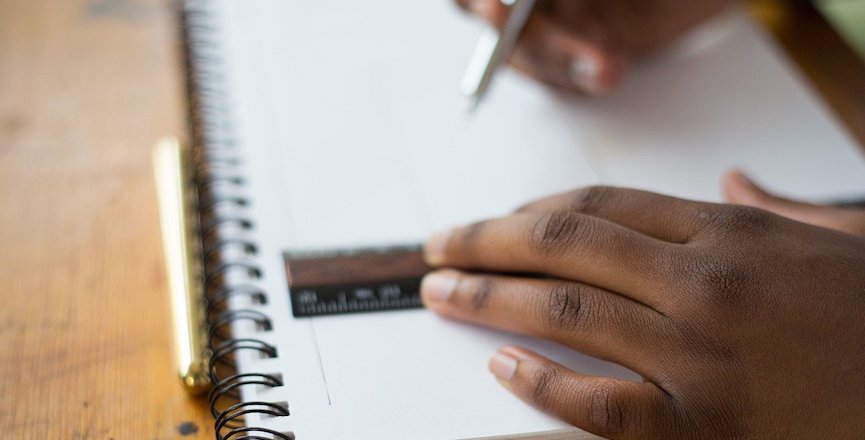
point(86, 86)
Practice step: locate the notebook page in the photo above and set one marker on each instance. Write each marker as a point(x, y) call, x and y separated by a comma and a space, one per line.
point(419, 164)
point(352, 146)
point(349, 117)
point(724, 98)
point(380, 149)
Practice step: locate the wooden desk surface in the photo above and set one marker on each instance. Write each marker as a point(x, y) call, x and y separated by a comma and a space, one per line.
point(86, 86)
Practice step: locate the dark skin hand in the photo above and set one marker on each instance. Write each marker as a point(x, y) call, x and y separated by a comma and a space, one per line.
point(587, 45)
point(743, 323)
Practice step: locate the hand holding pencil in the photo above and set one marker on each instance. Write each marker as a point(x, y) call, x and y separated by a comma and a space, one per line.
point(584, 45)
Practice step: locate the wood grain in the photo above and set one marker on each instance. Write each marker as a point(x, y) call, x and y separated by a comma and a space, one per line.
point(86, 86)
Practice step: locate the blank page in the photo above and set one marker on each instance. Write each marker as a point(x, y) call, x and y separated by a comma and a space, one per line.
point(722, 99)
point(350, 120)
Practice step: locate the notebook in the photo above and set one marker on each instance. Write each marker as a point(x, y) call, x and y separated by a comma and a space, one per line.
point(330, 141)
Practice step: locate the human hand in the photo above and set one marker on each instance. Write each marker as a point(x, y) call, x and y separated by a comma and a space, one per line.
point(587, 44)
point(742, 323)
point(739, 189)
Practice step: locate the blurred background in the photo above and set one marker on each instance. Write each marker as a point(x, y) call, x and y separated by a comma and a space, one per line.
point(848, 17)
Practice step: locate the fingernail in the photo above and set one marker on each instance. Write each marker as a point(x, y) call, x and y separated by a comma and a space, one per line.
point(438, 286)
point(434, 251)
point(503, 366)
point(585, 73)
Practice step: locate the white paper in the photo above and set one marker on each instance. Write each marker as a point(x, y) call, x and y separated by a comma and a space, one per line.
point(350, 121)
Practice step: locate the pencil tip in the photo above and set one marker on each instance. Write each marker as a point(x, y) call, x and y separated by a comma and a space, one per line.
point(470, 104)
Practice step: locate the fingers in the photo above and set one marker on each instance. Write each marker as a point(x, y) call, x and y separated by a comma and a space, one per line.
point(663, 217)
point(552, 53)
point(564, 244)
point(586, 318)
point(741, 190)
point(493, 12)
point(607, 407)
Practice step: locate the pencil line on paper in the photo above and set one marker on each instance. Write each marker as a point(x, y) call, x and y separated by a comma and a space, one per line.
point(320, 363)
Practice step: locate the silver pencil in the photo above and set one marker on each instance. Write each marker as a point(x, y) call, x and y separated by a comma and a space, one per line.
point(492, 50)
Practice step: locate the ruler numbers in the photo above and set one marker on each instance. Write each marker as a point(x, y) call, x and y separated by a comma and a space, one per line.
point(329, 300)
point(355, 281)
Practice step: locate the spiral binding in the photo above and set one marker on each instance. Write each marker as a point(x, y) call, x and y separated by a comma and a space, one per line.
point(228, 250)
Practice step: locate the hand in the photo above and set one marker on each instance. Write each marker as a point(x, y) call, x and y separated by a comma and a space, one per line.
point(587, 44)
point(743, 323)
point(740, 190)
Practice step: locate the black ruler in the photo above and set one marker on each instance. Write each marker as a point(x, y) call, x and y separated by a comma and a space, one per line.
point(332, 282)
point(355, 298)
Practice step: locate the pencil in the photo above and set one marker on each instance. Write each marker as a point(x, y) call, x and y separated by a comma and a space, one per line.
point(492, 50)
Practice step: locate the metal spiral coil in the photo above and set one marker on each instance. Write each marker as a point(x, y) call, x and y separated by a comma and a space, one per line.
point(229, 253)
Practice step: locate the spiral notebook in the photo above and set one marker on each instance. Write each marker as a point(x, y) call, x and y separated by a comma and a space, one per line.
point(329, 141)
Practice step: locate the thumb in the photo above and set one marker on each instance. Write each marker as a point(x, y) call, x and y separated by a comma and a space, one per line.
point(741, 190)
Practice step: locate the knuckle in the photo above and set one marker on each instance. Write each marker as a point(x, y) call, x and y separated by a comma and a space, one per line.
point(480, 294)
point(607, 410)
point(594, 199)
point(566, 307)
point(555, 232)
point(544, 392)
point(738, 220)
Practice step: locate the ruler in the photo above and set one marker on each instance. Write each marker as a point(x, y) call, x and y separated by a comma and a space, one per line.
point(356, 280)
